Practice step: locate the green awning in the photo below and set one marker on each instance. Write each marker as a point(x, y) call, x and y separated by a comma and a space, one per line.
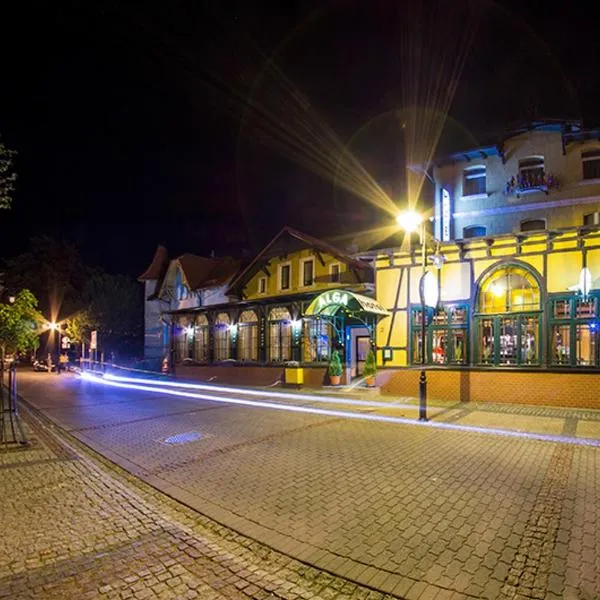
point(328, 303)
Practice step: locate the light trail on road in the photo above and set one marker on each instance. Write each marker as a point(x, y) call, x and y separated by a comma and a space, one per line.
point(260, 393)
point(522, 435)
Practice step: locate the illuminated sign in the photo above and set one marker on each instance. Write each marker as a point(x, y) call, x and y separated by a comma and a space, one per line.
point(332, 298)
point(445, 215)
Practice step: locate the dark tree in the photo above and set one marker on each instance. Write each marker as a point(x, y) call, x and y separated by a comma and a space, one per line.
point(7, 176)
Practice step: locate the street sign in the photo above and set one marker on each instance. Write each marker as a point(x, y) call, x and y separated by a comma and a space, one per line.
point(94, 340)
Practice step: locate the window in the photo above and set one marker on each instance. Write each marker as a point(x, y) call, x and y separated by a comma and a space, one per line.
point(284, 277)
point(247, 336)
point(592, 219)
point(446, 335)
point(509, 289)
point(474, 181)
point(181, 290)
point(334, 273)
point(201, 339)
point(222, 337)
point(262, 285)
point(474, 231)
point(317, 340)
point(181, 342)
point(280, 335)
point(308, 272)
point(533, 224)
point(531, 172)
point(574, 331)
point(590, 162)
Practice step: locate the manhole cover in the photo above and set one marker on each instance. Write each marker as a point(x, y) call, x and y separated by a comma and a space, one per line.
point(183, 438)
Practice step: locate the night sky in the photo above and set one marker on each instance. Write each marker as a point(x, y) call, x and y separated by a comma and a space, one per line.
point(126, 116)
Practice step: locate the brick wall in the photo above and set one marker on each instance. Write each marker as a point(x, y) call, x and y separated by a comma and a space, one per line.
point(544, 388)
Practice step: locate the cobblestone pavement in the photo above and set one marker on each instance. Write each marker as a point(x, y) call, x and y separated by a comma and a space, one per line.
point(410, 511)
point(75, 527)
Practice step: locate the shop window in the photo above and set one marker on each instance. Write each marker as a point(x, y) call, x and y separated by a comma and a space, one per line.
point(181, 343)
point(247, 336)
point(201, 339)
point(533, 224)
point(474, 231)
point(510, 289)
point(590, 162)
point(486, 342)
point(474, 181)
point(316, 340)
point(334, 273)
point(574, 332)
point(284, 277)
point(280, 335)
point(446, 335)
point(513, 340)
point(222, 337)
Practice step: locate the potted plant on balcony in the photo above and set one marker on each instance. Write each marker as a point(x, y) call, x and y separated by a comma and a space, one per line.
point(335, 368)
point(370, 369)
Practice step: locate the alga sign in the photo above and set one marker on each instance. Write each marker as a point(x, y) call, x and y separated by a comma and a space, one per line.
point(328, 303)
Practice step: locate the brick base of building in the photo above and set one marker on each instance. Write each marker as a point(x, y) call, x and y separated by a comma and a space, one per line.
point(544, 388)
point(248, 374)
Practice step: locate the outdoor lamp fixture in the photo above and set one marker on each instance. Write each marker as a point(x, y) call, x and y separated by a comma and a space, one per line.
point(189, 331)
point(411, 221)
point(53, 326)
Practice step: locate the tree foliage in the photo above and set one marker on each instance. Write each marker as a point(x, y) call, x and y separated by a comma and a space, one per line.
point(19, 323)
point(7, 176)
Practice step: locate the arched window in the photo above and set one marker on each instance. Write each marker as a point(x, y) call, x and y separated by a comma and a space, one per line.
point(533, 224)
point(247, 342)
point(473, 231)
point(184, 340)
point(201, 339)
point(508, 321)
point(280, 334)
point(474, 181)
point(222, 336)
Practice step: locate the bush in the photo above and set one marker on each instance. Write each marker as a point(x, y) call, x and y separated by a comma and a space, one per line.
point(370, 368)
point(335, 364)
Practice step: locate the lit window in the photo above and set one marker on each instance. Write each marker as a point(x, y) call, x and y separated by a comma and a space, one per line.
point(474, 231)
point(511, 289)
point(201, 339)
point(590, 162)
point(317, 340)
point(474, 181)
point(533, 224)
point(247, 336)
point(222, 336)
point(280, 335)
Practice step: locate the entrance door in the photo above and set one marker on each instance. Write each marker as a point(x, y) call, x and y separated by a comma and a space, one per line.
point(363, 344)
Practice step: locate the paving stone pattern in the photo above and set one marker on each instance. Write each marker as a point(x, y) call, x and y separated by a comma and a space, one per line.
point(77, 528)
point(415, 512)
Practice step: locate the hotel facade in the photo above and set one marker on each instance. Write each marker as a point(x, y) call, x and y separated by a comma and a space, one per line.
point(518, 319)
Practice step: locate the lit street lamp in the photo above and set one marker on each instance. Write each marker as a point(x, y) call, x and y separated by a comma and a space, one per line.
point(411, 222)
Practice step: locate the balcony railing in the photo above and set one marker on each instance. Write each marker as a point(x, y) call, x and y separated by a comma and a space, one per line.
point(531, 182)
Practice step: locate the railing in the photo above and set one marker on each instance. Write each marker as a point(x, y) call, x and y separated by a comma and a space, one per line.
point(523, 183)
point(12, 432)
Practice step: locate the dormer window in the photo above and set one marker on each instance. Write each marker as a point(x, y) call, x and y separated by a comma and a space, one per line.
point(474, 181)
point(590, 162)
point(531, 172)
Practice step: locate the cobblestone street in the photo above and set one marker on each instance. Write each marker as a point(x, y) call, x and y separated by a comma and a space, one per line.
point(409, 511)
point(75, 527)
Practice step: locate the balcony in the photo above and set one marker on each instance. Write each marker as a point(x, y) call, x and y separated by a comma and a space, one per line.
point(530, 181)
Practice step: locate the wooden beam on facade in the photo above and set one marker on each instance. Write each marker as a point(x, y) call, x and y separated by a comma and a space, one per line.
point(320, 257)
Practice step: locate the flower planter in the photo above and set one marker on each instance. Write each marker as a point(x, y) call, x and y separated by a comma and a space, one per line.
point(335, 379)
point(370, 381)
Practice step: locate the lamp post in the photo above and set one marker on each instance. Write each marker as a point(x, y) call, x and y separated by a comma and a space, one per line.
point(411, 222)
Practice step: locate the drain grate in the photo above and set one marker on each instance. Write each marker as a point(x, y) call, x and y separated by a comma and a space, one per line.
point(183, 438)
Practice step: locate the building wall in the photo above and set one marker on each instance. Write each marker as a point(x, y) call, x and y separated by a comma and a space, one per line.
point(322, 278)
point(557, 259)
point(502, 213)
point(153, 328)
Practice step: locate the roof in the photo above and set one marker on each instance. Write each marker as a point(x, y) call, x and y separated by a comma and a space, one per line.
point(269, 251)
point(201, 272)
point(158, 266)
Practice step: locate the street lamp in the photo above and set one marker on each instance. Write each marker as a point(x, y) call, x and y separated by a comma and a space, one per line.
point(411, 222)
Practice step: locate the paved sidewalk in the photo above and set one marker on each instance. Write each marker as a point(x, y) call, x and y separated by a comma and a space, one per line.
point(75, 527)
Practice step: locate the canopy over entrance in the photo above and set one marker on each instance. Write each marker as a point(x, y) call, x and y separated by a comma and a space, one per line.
point(328, 303)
